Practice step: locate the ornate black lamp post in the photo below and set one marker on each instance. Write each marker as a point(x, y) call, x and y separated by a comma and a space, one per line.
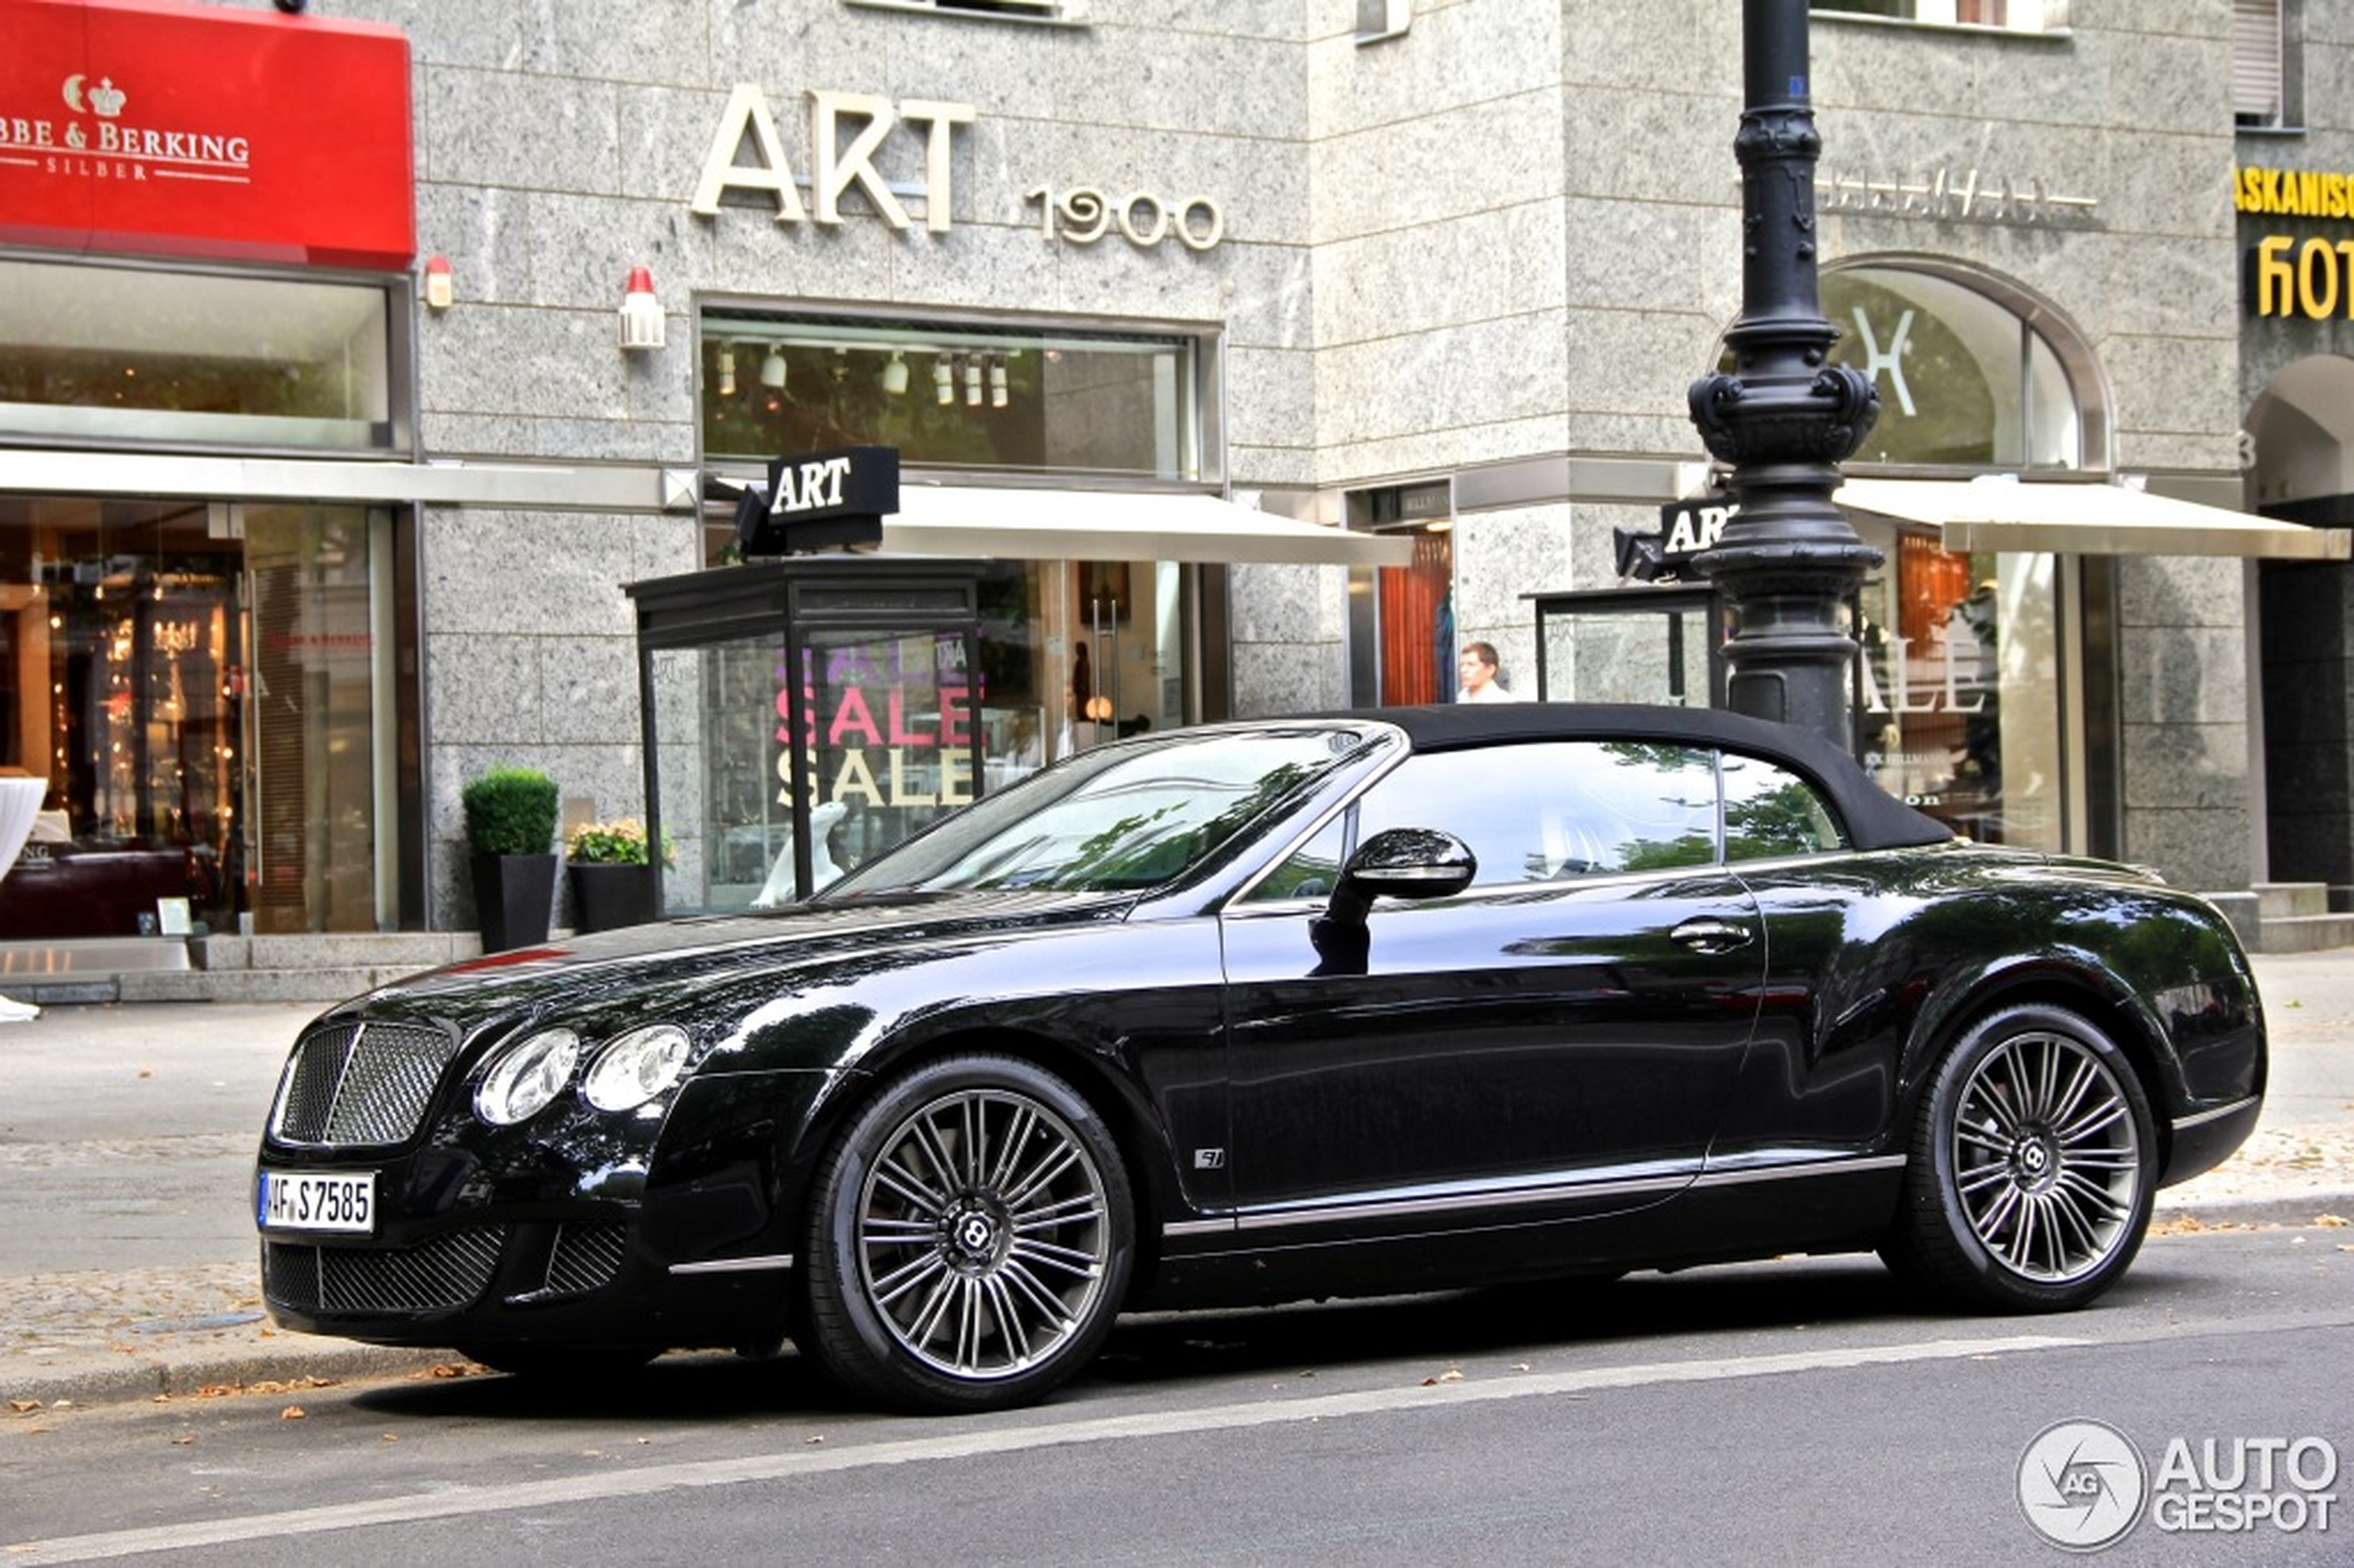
point(1784, 416)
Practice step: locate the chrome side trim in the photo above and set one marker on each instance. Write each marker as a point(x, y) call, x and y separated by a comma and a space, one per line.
point(1550, 1193)
point(1843, 1167)
point(735, 1265)
point(1198, 1228)
point(2185, 1123)
point(1407, 1209)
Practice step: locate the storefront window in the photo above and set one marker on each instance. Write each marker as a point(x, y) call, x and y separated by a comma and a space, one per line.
point(1096, 404)
point(1964, 381)
point(1062, 656)
point(109, 353)
point(197, 684)
point(1959, 702)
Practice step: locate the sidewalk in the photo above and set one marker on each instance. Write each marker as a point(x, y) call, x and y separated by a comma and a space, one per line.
point(128, 1264)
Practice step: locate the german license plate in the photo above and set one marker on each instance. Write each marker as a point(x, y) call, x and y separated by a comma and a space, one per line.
point(316, 1200)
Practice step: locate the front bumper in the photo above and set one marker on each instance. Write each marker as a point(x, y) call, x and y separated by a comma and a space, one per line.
point(662, 1227)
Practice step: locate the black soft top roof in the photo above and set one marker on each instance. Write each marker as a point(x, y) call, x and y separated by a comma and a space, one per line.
point(1875, 818)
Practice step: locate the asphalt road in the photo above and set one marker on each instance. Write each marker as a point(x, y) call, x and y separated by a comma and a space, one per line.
point(1791, 1414)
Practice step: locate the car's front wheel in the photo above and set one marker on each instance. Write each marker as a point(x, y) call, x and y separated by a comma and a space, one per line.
point(2032, 1166)
point(970, 1239)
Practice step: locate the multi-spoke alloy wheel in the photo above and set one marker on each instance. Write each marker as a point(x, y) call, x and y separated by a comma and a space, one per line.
point(2032, 1166)
point(971, 1238)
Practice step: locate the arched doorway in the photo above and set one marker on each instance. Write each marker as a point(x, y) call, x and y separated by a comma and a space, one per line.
point(2297, 456)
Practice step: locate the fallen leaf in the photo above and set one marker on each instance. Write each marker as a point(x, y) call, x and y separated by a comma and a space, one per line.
point(182, 1441)
point(293, 1412)
point(147, 1072)
point(392, 1436)
point(24, 1406)
point(2330, 1222)
point(814, 1438)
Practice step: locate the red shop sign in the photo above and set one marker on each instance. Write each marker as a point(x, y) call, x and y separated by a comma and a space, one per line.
point(160, 127)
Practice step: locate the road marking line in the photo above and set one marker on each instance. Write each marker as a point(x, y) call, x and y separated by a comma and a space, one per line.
point(974, 1442)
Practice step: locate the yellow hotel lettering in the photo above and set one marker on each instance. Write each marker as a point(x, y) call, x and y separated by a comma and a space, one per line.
point(2294, 193)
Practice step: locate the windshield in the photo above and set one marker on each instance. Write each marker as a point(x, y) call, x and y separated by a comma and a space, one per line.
point(1122, 817)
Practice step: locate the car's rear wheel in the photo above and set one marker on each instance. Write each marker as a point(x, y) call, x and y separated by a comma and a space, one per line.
point(2034, 1165)
point(970, 1239)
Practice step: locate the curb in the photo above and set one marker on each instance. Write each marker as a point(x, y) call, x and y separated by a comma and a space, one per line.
point(93, 1379)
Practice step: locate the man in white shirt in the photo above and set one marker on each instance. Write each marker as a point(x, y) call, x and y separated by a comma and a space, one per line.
point(1476, 670)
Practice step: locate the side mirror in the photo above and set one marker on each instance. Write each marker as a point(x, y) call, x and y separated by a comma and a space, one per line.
point(1402, 863)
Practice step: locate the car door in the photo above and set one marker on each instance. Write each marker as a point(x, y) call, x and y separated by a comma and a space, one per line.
point(1560, 1040)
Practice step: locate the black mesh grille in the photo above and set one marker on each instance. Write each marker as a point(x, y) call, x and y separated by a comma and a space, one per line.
point(450, 1272)
point(360, 1084)
point(585, 1259)
point(312, 1077)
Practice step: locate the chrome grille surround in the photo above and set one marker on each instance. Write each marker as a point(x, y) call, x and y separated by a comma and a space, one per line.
point(366, 1083)
point(447, 1273)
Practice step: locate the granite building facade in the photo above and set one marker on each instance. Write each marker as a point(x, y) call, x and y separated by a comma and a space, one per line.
point(1313, 338)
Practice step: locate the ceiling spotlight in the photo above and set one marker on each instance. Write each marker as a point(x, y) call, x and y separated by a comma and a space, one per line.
point(943, 380)
point(972, 381)
point(772, 370)
point(894, 376)
point(726, 370)
point(996, 383)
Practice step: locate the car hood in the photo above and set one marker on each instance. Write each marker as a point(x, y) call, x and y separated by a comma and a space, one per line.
point(660, 964)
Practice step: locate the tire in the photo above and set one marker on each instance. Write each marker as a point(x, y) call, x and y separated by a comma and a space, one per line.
point(2034, 1165)
point(970, 1239)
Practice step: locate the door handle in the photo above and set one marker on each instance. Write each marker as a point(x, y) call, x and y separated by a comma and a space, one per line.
point(1709, 935)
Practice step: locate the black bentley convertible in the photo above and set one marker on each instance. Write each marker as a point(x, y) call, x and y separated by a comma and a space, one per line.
point(1368, 1003)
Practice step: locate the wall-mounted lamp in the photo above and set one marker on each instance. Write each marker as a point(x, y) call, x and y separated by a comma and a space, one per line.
point(996, 383)
point(1099, 708)
point(441, 289)
point(894, 376)
point(943, 379)
point(642, 323)
point(726, 370)
point(772, 370)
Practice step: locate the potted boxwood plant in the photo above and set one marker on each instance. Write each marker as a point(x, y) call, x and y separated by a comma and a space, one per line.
point(511, 827)
point(612, 877)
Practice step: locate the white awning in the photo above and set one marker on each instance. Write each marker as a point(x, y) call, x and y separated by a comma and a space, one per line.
point(2086, 518)
point(1016, 523)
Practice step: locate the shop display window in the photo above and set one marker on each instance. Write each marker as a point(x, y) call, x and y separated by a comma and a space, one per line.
point(1093, 404)
point(197, 684)
point(1958, 699)
point(1964, 380)
point(91, 352)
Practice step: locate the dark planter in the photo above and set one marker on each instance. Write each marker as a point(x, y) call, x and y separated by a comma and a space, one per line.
point(514, 899)
point(606, 896)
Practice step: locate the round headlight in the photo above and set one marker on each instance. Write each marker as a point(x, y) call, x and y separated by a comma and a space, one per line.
point(636, 1068)
point(527, 1075)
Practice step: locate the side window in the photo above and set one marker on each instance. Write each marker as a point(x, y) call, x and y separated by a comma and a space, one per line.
point(1769, 811)
point(1535, 814)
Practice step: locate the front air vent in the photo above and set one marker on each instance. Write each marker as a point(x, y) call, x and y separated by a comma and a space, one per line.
point(443, 1274)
